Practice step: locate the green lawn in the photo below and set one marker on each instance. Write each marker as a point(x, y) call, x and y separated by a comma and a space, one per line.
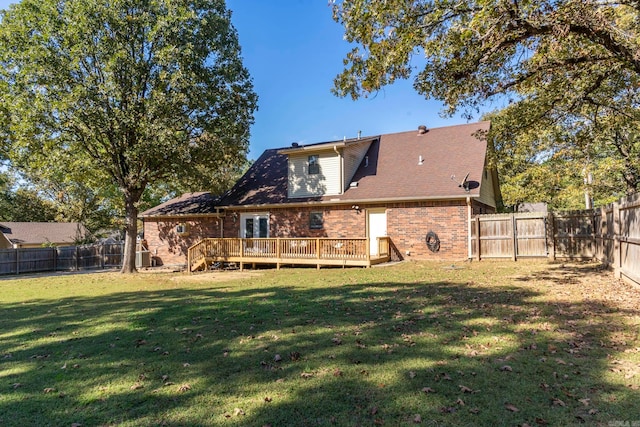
point(494, 344)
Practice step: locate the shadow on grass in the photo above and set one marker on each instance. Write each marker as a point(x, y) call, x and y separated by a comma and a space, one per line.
point(439, 353)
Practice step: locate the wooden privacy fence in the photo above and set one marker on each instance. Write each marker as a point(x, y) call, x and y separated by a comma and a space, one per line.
point(68, 258)
point(610, 234)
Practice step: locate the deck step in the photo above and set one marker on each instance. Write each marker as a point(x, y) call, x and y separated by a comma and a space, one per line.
point(199, 264)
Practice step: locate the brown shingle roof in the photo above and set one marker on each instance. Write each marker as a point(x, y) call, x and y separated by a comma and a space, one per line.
point(37, 233)
point(264, 183)
point(201, 203)
point(448, 155)
point(391, 171)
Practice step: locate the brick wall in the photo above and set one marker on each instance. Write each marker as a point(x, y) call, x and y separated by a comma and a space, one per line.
point(409, 223)
point(407, 226)
point(167, 247)
point(338, 222)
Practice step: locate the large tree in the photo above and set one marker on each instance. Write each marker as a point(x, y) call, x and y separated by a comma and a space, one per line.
point(138, 91)
point(22, 203)
point(567, 63)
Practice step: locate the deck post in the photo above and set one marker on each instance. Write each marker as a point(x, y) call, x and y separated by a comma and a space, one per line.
point(278, 253)
point(368, 249)
point(189, 261)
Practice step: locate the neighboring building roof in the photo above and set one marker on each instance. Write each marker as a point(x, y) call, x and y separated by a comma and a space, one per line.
point(201, 203)
point(38, 233)
point(392, 170)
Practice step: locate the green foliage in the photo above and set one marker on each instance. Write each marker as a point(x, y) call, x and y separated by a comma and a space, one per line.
point(550, 162)
point(121, 94)
point(564, 69)
point(23, 204)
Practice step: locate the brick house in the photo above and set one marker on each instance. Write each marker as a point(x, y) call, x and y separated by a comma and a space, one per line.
point(412, 186)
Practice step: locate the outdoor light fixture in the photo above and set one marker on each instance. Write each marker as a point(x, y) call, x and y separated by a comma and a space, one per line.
point(356, 208)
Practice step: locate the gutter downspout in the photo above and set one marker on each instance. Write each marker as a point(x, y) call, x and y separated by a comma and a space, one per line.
point(335, 148)
point(469, 213)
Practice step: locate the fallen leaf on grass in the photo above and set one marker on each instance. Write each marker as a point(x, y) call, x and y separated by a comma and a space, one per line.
point(16, 385)
point(557, 402)
point(49, 390)
point(445, 376)
point(428, 390)
point(417, 419)
point(541, 421)
point(337, 373)
point(306, 375)
point(268, 399)
point(412, 374)
point(460, 402)
point(184, 387)
point(465, 389)
point(510, 407)
point(585, 401)
point(506, 368)
point(136, 386)
point(474, 411)
point(238, 411)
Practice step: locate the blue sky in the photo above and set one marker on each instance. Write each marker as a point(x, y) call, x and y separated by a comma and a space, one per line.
point(293, 50)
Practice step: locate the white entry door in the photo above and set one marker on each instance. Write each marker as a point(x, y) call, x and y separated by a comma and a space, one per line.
point(254, 225)
point(377, 223)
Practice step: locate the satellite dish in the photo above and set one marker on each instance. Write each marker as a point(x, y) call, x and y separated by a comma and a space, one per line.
point(465, 183)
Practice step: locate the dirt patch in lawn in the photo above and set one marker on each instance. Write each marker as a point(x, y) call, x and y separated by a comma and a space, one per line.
point(216, 276)
point(586, 281)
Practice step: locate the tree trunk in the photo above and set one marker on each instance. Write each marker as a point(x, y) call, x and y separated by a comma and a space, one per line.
point(131, 231)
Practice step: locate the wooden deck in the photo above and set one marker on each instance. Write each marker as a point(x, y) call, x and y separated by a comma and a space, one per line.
point(287, 251)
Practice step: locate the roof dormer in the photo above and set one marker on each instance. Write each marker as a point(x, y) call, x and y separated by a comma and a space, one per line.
point(323, 169)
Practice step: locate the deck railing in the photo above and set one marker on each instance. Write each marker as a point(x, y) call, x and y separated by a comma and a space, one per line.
point(296, 250)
